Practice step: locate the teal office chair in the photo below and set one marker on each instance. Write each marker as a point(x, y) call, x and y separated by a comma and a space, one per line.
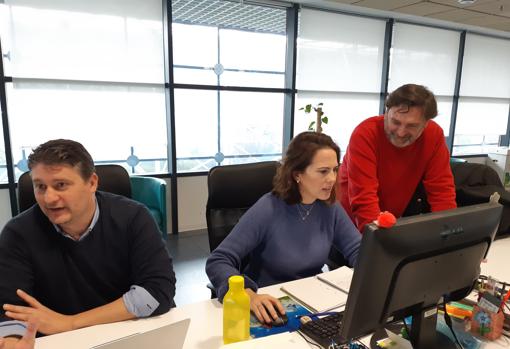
point(151, 192)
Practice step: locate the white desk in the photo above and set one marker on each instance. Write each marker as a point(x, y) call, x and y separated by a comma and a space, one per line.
point(205, 331)
point(498, 260)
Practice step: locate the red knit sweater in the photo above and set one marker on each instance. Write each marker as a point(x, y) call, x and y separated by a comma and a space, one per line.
point(376, 176)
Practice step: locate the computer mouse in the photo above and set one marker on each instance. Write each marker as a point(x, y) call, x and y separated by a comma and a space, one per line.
point(280, 321)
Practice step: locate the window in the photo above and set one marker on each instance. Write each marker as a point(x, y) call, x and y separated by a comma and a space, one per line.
point(226, 128)
point(86, 71)
point(90, 113)
point(480, 122)
point(344, 111)
point(426, 56)
point(3, 165)
point(485, 95)
point(339, 63)
point(93, 40)
point(218, 45)
point(256, 129)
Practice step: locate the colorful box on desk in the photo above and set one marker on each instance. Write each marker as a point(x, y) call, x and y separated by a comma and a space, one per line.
point(487, 324)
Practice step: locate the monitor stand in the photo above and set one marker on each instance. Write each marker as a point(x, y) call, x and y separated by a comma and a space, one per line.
point(425, 334)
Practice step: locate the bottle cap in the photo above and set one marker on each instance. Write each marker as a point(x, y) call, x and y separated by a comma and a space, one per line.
point(236, 281)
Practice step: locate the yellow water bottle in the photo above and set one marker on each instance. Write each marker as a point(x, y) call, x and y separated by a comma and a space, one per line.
point(236, 311)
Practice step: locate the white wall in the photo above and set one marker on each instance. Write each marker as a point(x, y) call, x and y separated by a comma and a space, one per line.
point(192, 198)
point(168, 205)
point(5, 207)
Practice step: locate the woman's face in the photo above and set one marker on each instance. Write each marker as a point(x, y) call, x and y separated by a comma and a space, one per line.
point(318, 179)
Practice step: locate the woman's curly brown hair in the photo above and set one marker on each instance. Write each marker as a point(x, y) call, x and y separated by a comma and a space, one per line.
point(299, 155)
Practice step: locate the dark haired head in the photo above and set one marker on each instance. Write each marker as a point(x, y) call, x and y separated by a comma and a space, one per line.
point(412, 95)
point(298, 157)
point(63, 152)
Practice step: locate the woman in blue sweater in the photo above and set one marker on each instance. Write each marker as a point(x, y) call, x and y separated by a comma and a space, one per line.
point(288, 233)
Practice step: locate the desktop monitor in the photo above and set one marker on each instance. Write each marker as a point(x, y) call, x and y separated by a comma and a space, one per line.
point(407, 269)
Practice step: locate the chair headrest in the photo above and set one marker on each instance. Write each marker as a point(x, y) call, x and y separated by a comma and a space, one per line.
point(239, 186)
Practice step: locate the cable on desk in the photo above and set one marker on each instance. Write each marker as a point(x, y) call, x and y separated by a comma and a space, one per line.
point(315, 316)
point(448, 321)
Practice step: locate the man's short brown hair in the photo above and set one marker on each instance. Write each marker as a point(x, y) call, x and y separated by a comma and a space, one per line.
point(412, 95)
point(299, 155)
point(63, 152)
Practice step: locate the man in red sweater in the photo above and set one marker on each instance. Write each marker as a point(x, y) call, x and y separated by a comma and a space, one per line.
point(391, 154)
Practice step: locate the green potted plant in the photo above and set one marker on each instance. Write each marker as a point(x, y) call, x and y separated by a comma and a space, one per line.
point(316, 125)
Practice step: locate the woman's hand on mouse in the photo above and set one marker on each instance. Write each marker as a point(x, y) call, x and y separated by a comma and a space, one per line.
point(265, 307)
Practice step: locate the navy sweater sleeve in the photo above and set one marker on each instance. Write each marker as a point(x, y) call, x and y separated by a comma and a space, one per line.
point(15, 268)
point(151, 266)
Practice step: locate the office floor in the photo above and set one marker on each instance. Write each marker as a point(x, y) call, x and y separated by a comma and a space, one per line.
point(189, 251)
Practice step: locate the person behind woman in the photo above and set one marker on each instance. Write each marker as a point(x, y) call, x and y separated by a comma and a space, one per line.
point(287, 233)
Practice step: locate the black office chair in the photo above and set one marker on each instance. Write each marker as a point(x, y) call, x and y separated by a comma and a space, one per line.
point(233, 189)
point(112, 178)
point(475, 183)
point(419, 203)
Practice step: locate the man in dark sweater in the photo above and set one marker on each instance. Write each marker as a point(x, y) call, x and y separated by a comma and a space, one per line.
point(79, 257)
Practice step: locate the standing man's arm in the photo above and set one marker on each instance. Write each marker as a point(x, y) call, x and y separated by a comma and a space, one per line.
point(438, 178)
point(363, 183)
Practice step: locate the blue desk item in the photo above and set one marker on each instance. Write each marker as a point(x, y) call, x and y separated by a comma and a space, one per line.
point(293, 310)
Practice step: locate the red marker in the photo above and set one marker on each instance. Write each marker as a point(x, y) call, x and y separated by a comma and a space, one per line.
point(386, 220)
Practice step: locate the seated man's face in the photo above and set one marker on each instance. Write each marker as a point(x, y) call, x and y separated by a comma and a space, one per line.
point(64, 196)
point(403, 125)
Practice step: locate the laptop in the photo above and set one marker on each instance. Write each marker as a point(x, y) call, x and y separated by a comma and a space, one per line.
point(167, 337)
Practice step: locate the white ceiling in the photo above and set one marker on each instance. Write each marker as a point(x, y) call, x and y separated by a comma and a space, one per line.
point(492, 14)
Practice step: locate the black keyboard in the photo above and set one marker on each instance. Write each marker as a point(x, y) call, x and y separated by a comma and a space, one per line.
point(324, 330)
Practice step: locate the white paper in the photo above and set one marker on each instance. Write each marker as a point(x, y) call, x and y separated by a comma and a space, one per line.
point(314, 294)
point(402, 343)
point(339, 278)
